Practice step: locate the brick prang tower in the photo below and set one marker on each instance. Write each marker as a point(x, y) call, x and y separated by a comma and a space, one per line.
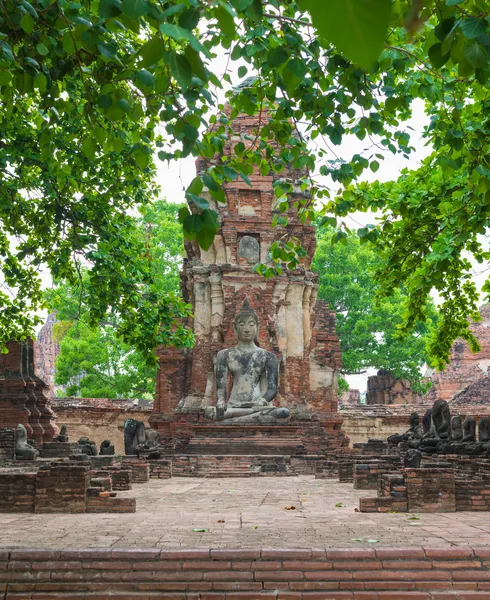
point(294, 324)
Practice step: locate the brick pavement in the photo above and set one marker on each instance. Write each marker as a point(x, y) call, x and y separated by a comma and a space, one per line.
point(244, 513)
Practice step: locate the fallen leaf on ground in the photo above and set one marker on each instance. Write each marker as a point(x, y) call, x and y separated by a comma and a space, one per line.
point(290, 508)
point(338, 504)
point(255, 526)
point(200, 530)
point(357, 539)
point(372, 541)
point(220, 521)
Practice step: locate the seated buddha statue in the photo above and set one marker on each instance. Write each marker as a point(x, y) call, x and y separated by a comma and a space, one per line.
point(254, 378)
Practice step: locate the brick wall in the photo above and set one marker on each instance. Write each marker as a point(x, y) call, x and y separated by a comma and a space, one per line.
point(465, 367)
point(24, 396)
point(288, 574)
point(98, 418)
point(384, 388)
point(7, 443)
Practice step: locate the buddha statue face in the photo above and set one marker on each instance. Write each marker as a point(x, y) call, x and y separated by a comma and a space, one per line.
point(246, 324)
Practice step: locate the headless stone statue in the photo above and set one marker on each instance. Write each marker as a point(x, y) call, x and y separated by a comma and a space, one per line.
point(469, 430)
point(428, 431)
point(441, 417)
point(456, 428)
point(254, 374)
point(412, 458)
point(62, 436)
point(413, 433)
point(106, 448)
point(87, 446)
point(137, 439)
point(134, 436)
point(23, 450)
point(484, 430)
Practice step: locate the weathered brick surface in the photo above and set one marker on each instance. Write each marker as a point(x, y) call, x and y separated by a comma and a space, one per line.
point(384, 388)
point(7, 443)
point(17, 491)
point(395, 573)
point(465, 368)
point(24, 396)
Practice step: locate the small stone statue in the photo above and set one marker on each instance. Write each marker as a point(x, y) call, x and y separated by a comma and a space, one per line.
point(87, 446)
point(413, 432)
point(23, 450)
point(106, 448)
point(62, 436)
point(469, 430)
point(139, 440)
point(484, 430)
point(456, 428)
point(436, 423)
point(412, 458)
point(441, 417)
point(254, 374)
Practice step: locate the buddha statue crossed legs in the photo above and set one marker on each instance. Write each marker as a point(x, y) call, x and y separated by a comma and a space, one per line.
point(254, 375)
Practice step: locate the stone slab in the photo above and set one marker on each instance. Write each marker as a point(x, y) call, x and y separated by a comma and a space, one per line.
point(244, 513)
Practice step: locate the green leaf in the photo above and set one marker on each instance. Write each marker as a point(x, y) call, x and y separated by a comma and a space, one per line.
point(242, 71)
point(29, 8)
point(124, 105)
point(356, 27)
point(89, 147)
point(109, 8)
point(473, 27)
point(226, 22)
point(241, 4)
point(180, 34)
point(42, 49)
point(297, 67)
point(195, 186)
point(104, 101)
point(141, 160)
point(201, 203)
point(476, 55)
point(145, 79)
point(181, 69)
point(196, 63)
point(68, 43)
point(255, 11)
point(374, 165)
point(27, 23)
point(107, 50)
point(277, 57)
point(135, 8)
point(436, 57)
point(152, 51)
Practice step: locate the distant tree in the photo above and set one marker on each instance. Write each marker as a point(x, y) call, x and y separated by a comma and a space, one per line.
point(368, 326)
point(93, 361)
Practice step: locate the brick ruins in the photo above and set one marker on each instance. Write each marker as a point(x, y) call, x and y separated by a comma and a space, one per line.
point(384, 388)
point(465, 367)
point(24, 397)
point(294, 324)
point(46, 350)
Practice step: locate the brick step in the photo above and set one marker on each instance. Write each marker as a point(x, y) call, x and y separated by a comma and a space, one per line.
point(216, 446)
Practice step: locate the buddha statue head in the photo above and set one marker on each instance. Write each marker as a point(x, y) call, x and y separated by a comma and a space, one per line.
point(246, 324)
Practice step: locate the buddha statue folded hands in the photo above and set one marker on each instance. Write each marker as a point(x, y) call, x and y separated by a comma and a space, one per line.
point(254, 379)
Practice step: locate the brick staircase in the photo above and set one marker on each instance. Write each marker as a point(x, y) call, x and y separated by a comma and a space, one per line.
point(245, 441)
point(232, 466)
